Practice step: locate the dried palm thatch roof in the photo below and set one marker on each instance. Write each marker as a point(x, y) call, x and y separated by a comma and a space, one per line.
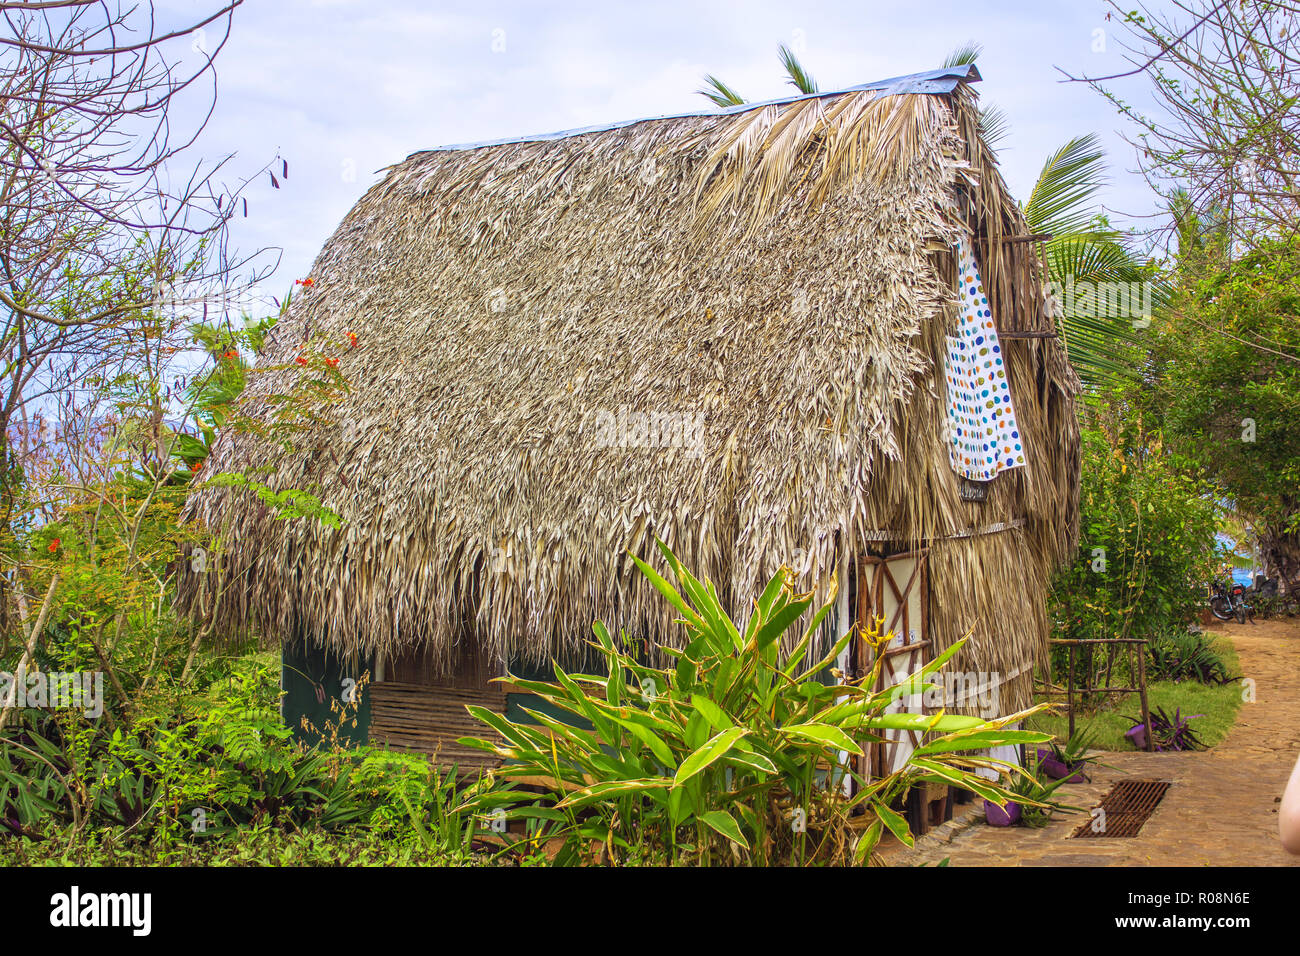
point(766, 289)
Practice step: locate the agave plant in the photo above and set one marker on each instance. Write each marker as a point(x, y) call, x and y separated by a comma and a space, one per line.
point(737, 751)
point(1034, 792)
point(1167, 733)
point(1178, 655)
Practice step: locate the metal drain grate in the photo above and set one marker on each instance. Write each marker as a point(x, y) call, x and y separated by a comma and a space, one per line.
point(1125, 809)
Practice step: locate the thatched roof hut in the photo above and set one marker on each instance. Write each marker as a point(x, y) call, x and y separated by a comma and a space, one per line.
point(725, 330)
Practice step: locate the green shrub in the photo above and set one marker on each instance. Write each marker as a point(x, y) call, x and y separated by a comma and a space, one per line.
point(204, 767)
point(1177, 654)
point(1146, 539)
point(726, 756)
point(1146, 547)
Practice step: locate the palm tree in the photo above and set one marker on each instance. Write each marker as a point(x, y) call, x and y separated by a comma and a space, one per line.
point(1085, 248)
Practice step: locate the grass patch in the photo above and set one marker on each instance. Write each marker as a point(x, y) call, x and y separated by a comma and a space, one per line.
point(1218, 705)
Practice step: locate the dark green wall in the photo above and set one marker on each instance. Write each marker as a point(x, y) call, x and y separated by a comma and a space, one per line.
point(303, 672)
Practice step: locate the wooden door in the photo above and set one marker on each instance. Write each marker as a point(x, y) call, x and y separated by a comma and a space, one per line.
point(896, 589)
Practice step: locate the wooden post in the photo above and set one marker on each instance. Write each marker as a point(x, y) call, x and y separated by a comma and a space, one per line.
point(1069, 691)
point(1142, 687)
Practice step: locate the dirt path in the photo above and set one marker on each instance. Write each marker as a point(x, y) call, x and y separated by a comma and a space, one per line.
point(1220, 811)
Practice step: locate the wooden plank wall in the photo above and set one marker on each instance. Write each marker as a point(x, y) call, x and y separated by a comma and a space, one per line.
point(425, 719)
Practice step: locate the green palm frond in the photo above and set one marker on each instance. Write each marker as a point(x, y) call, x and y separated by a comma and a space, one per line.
point(994, 125)
point(1105, 302)
point(964, 55)
point(1060, 202)
point(1100, 281)
point(1089, 256)
point(800, 79)
point(719, 93)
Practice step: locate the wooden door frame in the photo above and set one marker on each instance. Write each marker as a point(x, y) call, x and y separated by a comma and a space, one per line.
point(870, 595)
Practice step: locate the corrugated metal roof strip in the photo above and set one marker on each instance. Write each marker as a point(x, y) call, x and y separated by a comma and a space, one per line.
point(943, 80)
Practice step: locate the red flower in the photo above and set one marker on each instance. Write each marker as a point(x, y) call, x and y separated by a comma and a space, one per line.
point(301, 360)
point(305, 283)
point(230, 354)
point(196, 466)
point(54, 545)
point(352, 339)
point(332, 362)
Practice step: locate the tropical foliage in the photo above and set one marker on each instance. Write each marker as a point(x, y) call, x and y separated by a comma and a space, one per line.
point(736, 753)
point(1179, 654)
point(1146, 542)
point(1225, 366)
point(1102, 291)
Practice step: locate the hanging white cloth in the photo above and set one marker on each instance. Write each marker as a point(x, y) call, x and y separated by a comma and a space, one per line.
point(984, 438)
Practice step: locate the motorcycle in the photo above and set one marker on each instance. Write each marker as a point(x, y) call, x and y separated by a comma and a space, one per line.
point(1228, 601)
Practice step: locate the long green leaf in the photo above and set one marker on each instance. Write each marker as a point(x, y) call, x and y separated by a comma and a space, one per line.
point(726, 824)
point(617, 788)
point(712, 712)
point(713, 749)
point(668, 591)
point(869, 840)
point(780, 622)
point(823, 734)
point(896, 824)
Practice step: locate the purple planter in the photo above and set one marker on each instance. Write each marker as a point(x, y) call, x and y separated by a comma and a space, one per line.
point(1059, 769)
point(1001, 816)
point(1138, 734)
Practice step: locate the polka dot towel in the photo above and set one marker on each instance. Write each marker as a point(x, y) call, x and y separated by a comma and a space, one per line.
point(984, 438)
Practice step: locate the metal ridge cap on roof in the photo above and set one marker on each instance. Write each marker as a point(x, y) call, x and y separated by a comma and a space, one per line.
point(943, 80)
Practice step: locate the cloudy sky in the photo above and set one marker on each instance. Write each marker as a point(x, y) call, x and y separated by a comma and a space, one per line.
point(342, 88)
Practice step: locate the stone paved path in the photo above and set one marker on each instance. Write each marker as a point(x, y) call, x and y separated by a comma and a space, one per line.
point(1220, 811)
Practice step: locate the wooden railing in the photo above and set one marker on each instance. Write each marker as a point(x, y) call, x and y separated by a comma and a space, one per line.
point(1129, 644)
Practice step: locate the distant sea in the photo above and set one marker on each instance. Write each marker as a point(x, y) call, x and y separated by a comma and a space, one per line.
point(1245, 576)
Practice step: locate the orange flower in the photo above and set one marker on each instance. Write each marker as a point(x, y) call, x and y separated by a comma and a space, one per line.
point(54, 545)
point(332, 362)
point(230, 354)
point(196, 466)
point(352, 339)
point(301, 360)
point(305, 283)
